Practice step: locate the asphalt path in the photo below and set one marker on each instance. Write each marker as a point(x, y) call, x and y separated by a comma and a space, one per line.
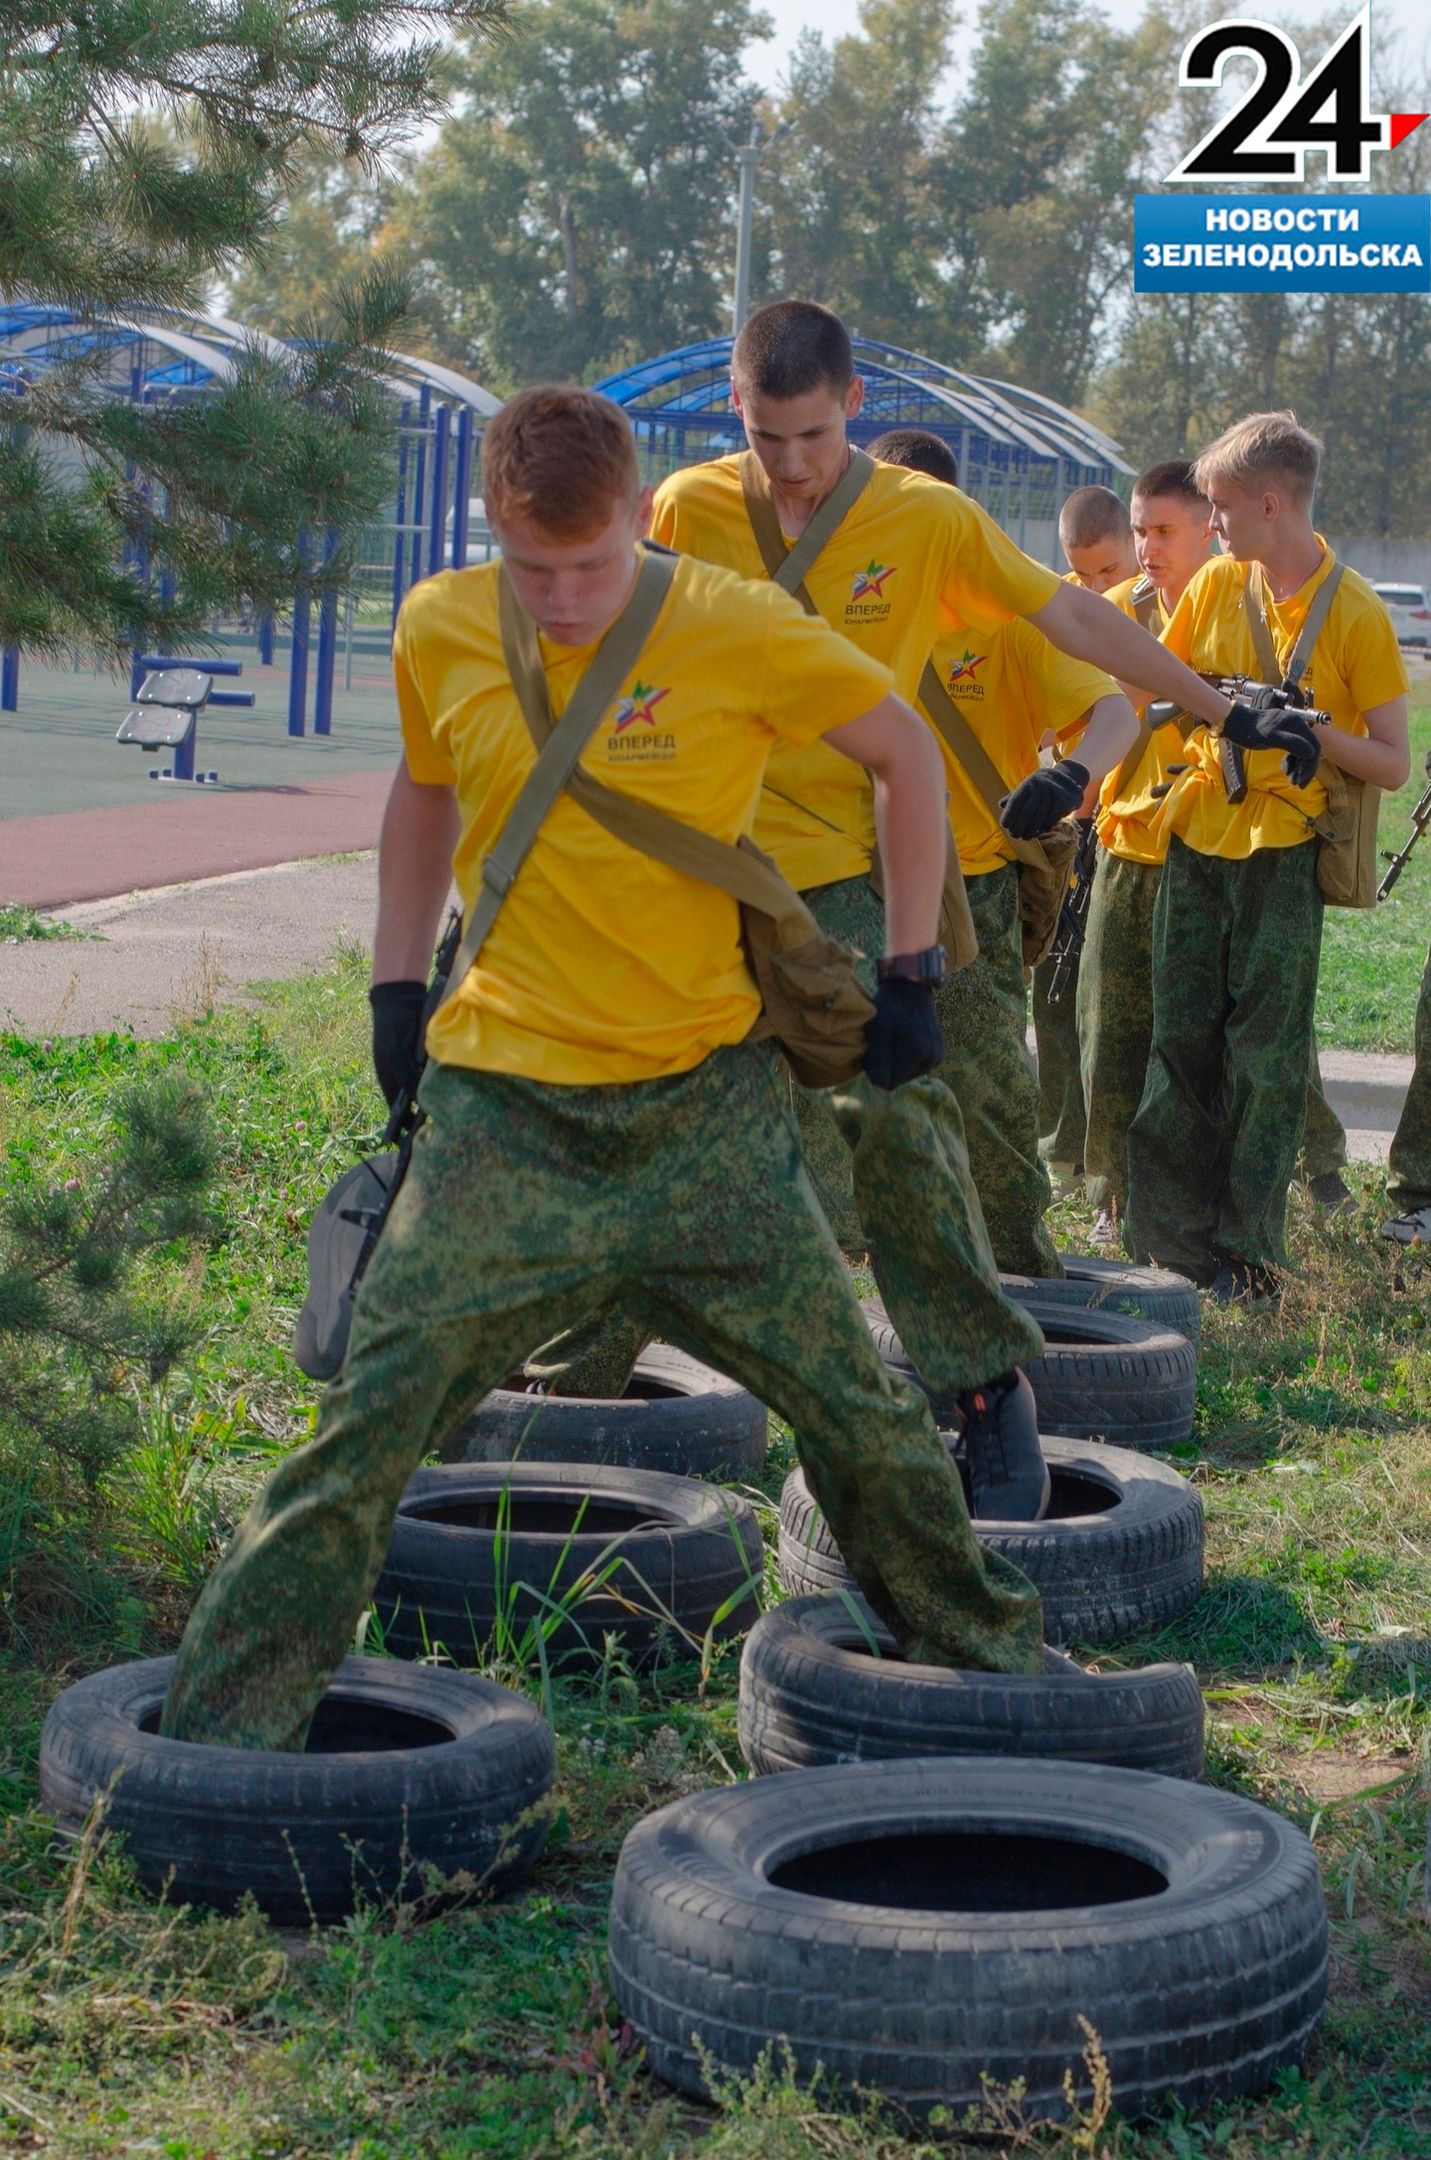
point(150, 958)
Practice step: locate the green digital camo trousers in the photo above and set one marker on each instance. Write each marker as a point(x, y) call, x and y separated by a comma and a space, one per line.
point(1214, 1143)
point(1115, 1032)
point(1324, 1141)
point(684, 1201)
point(1115, 1017)
point(891, 1168)
point(1410, 1157)
point(983, 1014)
point(1062, 1121)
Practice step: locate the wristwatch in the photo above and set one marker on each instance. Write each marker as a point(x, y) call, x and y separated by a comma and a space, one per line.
point(930, 966)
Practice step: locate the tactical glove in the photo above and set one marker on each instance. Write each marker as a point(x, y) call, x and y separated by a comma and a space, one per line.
point(1275, 727)
point(903, 1039)
point(1037, 804)
point(397, 1036)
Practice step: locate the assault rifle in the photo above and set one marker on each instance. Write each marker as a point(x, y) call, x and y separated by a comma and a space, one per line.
point(1073, 915)
point(1420, 819)
point(1244, 690)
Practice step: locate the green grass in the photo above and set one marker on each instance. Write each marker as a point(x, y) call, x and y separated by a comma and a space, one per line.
point(1372, 962)
point(126, 2028)
point(19, 925)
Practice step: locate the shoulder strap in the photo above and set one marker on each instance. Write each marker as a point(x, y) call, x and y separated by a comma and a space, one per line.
point(1254, 595)
point(974, 758)
point(1143, 600)
point(789, 568)
point(738, 868)
point(561, 745)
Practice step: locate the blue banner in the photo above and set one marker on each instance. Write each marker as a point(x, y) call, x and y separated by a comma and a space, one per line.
point(1282, 243)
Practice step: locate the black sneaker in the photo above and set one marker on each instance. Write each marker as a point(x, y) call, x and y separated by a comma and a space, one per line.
point(1331, 1193)
point(1008, 1477)
point(1239, 1282)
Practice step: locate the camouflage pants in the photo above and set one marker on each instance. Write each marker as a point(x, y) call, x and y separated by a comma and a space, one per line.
point(983, 1012)
point(1324, 1140)
point(1115, 1028)
point(1214, 1144)
point(1062, 1121)
point(1115, 1017)
point(526, 1206)
point(1410, 1157)
point(891, 1169)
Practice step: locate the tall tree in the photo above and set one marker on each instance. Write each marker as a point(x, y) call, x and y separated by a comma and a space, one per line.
point(1047, 149)
point(851, 214)
point(121, 525)
point(576, 214)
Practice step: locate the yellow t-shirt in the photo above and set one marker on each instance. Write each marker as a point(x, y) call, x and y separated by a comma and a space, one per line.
point(1010, 685)
point(1129, 821)
point(604, 965)
point(913, 556)
point(1357, 665)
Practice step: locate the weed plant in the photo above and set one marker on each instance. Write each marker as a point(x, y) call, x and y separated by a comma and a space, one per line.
point(127, 2027)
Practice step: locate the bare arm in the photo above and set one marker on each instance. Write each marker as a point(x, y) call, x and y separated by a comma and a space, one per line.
point(1089, 627)
point(1109, 734)
point(420, 826)
point(1382, 755)
point(899, 753)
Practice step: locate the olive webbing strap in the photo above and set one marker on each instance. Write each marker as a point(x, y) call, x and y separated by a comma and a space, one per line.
point(789, 567)
point(560, 745)
point(1145, 604)
point(974, 758)
point(739, 869)
point(1254, 595)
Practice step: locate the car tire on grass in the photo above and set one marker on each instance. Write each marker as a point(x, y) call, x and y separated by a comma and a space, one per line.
point(486, 1554)
point(411, 1776)
point(821, 1682)
point(912, 1928)
point(677, 1416)
point(1102, 1375)
point(1093, 1280)
point(1120, 1551)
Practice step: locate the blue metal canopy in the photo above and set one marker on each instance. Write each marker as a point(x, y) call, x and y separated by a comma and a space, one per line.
point(1019, 453)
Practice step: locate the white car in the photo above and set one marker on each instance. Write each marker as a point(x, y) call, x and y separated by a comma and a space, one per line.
point(1410, 615)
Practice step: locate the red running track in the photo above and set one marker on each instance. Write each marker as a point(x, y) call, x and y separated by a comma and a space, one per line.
point(77, 855)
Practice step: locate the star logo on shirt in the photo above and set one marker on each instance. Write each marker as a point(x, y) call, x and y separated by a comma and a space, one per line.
point(870, 582)
point(641, 705)
point(965, 669)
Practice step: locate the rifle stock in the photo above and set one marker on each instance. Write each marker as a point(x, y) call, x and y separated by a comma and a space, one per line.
point(1073, 915)
point(1420, 819)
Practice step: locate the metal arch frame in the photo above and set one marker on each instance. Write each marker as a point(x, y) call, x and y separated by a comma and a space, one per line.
point(1012, 444)
point(440, 415)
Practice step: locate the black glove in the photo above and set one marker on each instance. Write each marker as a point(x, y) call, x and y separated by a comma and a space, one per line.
point(397, 1035)
point(1275, 727)
point(903, 1039)
point(1037, 804)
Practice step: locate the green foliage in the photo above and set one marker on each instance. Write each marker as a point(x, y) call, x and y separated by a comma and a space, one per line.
point(76, 1326)
point(574, 214)
point(127, 2026)
point(143, 154)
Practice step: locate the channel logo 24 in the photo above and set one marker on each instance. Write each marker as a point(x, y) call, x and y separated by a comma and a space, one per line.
point(1282, 117)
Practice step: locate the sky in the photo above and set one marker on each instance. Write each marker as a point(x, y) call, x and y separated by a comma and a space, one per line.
point(835, 17)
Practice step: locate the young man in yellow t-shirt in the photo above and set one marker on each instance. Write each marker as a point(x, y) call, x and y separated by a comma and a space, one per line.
point(1173, 536)
point(908, 557)
point(1237, 924)
point(597, 1125)
point(1097, 540)
point(1009, 686)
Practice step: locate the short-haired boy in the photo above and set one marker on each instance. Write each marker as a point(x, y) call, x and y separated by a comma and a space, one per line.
point(1238, 919)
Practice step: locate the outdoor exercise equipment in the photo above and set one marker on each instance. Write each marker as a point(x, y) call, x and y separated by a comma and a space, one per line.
point(168, 700)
